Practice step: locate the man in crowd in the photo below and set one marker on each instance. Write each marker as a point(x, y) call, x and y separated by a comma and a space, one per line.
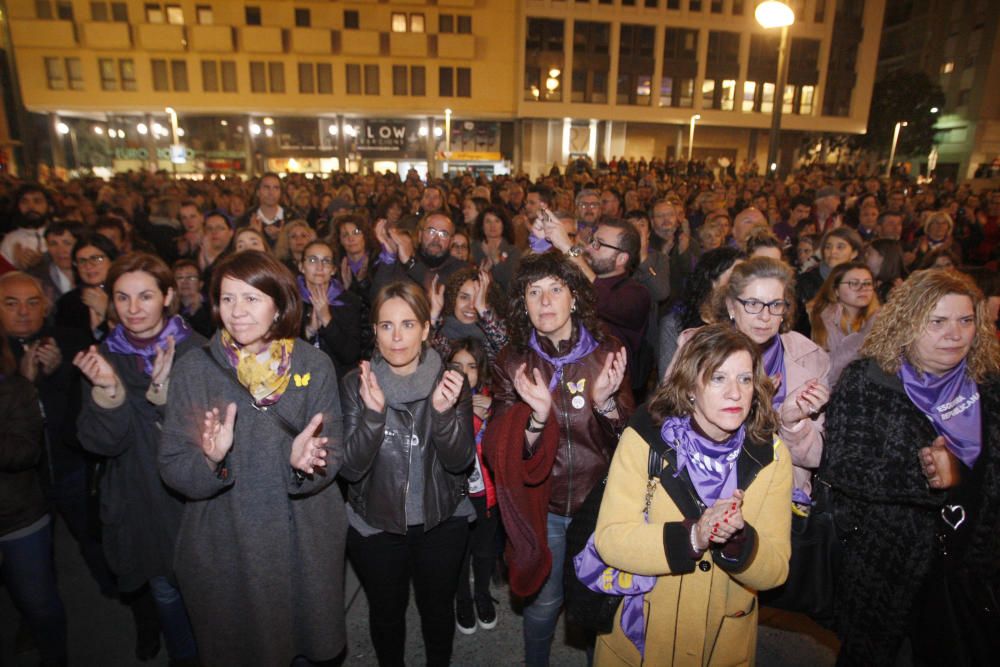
point(55, 271)
point(827, 204)
point(432, 258)
point(588, 211)
point(799, 210)
point(269, 216)
point(24, 243)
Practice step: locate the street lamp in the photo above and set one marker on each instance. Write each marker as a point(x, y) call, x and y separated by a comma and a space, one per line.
point(173, 124)
point(776, 14)
point(694, 119)
point(447, 131)
point(892, 151)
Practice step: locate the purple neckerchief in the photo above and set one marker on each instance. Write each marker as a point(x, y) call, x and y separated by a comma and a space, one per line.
point(710, 465)
point(120, 342)
point(951, 402)
point(584, 346)
point(355, 266)
point(538, 245)
point(334, 290)
point(774, 365)
point(598, 576)
point(386, 256)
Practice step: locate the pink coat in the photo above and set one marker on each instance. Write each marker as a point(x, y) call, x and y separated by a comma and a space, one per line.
point(804, 361)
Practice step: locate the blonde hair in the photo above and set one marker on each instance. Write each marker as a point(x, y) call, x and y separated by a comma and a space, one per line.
point(905, 316)
point(744, 273)
point(827, 297)
point(283, 246)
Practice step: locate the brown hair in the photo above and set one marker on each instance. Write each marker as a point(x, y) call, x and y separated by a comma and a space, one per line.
point(408, 291)
point(455, 281)
point(706, 350)
point(827, 296)
point(250, 230)
point(744, 273)
point(146, 263)
point(262, 271)
point(904, 318)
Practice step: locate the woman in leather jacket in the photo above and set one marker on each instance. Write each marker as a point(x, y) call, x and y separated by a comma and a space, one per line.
point(409, 448)
point(560, 403)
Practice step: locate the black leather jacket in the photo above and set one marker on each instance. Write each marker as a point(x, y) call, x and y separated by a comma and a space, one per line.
point(377, 458)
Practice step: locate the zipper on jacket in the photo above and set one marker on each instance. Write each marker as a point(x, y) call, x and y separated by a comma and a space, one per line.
point(569, 452)
point(409, 462)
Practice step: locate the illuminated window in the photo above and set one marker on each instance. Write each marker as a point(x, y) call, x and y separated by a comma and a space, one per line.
point(948, 67)
point(175, 15)
point(399, 22)
point(749, 93)
point(767, 98)
point(806, 101)
point(788, 100)
point(708, 94)
point(728, 97)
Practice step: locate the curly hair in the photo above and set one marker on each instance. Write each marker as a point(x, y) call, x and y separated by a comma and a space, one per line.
point(499, 213)
point(706, 351)
point(701, 282)
point(827, 297)
point(904, 318)
point(367, 232)
point(454, 284)
point(551, 264)
point(744, 273)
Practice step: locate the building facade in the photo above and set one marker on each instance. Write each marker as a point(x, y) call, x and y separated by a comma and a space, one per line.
point(304, 85)
point(956, 43)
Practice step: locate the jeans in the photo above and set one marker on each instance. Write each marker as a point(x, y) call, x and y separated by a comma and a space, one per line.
point(481, 552)
point(386, 563)
point(28, 572)
point(174, 619)
point(542, 614)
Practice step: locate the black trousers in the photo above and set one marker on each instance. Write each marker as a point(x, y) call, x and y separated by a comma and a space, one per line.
point(481, 552)
point(386, 563)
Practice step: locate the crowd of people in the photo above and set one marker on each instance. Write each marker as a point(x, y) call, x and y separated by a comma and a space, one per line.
point(246, 383)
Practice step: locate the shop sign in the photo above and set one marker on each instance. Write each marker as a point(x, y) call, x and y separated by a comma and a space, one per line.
point(389, 138)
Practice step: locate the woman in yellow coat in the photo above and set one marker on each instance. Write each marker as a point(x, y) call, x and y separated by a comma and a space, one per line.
point(718, 524)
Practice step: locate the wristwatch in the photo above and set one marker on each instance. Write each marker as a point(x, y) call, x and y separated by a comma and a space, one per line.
point(575, 251)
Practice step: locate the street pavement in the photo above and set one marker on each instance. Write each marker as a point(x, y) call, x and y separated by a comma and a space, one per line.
point(101, 631)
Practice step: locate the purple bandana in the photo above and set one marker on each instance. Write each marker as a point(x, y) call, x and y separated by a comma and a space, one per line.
point(334, 290)
point(584, 346)
point(951, 402)
point(538, 245)
point(120, 342)
point(598, 576)
point(773, 357)
point(711, 465)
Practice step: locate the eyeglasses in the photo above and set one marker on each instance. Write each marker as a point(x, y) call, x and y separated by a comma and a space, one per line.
point(459, 246)
point(858, 285)
point(440, 233)
point(754, 306)
point(589, 204)
point(313, 260)
point(93, 260)
point(597, 244)
point(350, 232)
point(187, 279)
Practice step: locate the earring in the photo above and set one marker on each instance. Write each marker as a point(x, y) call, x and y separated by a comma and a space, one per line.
point(572, 308)
point(732, 318)
point(276, 318)
point(691, 399)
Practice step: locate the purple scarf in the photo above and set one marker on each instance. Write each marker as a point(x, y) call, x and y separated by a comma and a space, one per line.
point(598, 576)
point(584, 346)
point(334, 290)
point(951, 402)
point(711, 465)
point(538, 246)
point(355, 266)
point(773, 357)
point(120, 342)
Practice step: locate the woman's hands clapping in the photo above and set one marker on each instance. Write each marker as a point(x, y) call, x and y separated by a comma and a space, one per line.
point(720, 522)
point(163, 362)
point(447, 391)
point(610, 378)
point(96, 369)
point(217, 434)
point(534, 391)
point(309, 449)
point(371, 392)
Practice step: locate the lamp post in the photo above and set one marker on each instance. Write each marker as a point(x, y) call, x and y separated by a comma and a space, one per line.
point(694, 119)
point(892, 151)
point(776, 14)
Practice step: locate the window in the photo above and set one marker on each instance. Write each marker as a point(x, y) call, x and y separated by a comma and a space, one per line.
point(694, 5)
point(74, 72)
point(806, 98)
point(676, 92)
point(276, 74)
point(544, 42)
point(465, 25)
point(161, 77)
point(126, 70)
point(43, 10)
point(716, 7)
point(412, 23)
point(175, 15)
point(209, 76)
point(738, 7)
point(179, 72)
point(353, 79)
point(109, 11)
point(416, 23)
point(400, 79)
point(446, 23)
point(635, 64)
point(398, 22)
point(351, 19)
point(446, 82)
point(673, 4)
point(315, 78)
point(63, 9)
point(324, 78)
point(418, 78)
point(749, 94)
point(307, 82)
point(463, 76)
point(252, 15)
point(371, 79)
point(229, 76)
point(204, 15)
point(55, 73)
point(266, 77)
point(819, 14)
point(303, 18)
point(154, 13)
point(109, 73)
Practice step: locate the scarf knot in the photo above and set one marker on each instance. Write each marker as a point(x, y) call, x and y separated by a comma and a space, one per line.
point(951, 403)
point(585, 344)
point(120, 342)
point(710, 465)
point(333, 290)
point(265, 374)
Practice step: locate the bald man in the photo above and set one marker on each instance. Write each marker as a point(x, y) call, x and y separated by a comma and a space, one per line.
point(744, 223)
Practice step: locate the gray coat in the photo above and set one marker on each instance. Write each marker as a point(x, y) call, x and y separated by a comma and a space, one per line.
point(260, 555)
point(139, 514)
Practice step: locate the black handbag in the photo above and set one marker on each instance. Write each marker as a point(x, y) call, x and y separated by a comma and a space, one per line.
point(586, 608)
point(817, 549)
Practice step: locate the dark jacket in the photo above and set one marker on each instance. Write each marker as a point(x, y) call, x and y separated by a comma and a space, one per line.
point(341, 338)
point(73, 313)
point(377, 459)
point(586, 440)
point(890, 516)
point(21, 499)
point(417, 269)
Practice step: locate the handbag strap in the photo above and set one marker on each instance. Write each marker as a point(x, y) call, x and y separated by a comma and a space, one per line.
point(653, 467)
point(285, 425)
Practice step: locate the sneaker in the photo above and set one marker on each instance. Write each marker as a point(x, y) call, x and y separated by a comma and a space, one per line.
point(486, 613)
point(465, 617)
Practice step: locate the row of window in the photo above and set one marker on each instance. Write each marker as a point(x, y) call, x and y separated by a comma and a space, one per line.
point(737, 7)
point(156, 12)
point(265, 77)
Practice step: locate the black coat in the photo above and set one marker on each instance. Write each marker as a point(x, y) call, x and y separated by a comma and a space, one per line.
point(21, 499)
point(341, 338)
point(890, 515)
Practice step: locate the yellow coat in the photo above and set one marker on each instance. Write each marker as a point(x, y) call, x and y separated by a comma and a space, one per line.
point(707, 616)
